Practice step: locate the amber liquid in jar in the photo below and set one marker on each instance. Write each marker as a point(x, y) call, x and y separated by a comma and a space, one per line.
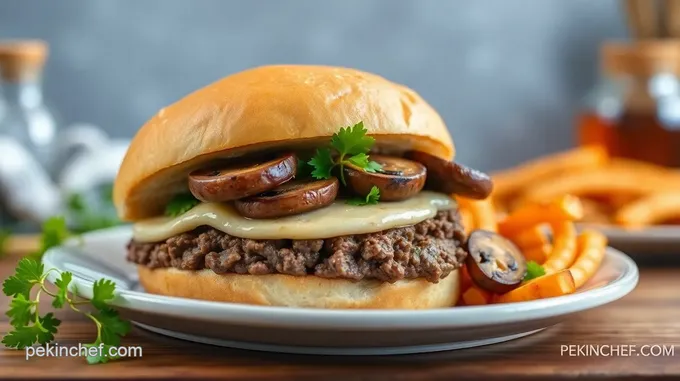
point(634, 112)
point(636, 135)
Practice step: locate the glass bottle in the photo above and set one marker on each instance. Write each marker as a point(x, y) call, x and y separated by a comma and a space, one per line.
point(26, 118)
point(635, 109)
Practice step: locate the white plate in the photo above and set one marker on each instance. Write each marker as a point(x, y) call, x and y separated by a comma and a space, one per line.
point(651, 239)
point(317, 331)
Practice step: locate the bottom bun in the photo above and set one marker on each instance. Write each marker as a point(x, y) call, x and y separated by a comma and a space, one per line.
point(304, 291)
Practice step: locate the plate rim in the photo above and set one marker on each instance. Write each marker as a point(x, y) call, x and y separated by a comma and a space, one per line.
point(347, 319)
point(339, 351)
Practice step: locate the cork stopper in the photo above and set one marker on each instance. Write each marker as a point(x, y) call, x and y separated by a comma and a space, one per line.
point(22, 59)
point(642, 58)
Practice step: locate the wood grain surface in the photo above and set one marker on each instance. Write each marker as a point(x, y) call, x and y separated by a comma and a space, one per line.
point(648, 316)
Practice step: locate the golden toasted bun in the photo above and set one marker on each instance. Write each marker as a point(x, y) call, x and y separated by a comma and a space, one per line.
point(306, 291)
point(268, 108)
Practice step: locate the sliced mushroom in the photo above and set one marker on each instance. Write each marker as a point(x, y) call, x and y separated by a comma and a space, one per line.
point(293, 197)
point(398, 179)
point(494, 263)
point(450, 177)
point(241, 180)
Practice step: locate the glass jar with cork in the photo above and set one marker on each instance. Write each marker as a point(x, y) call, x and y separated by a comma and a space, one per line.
point(25, 116)
point(635, 110)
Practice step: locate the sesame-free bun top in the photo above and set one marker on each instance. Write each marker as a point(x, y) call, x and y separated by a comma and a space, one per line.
point(268, 108)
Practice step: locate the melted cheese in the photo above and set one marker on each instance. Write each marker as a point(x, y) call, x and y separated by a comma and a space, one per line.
point(337, 219)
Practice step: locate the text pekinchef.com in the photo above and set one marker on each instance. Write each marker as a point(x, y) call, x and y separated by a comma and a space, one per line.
point(81, 350)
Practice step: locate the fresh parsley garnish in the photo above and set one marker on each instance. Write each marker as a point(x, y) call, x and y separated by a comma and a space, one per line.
point(41, 331)
point(29, 327)
point(102, 291)
point(54, 233)
point(27, 274)
point(372, 198)
point(534, 270)
point(352, 146)
point(84, 218)
point(62, 284)
point(303, 169)
point(180, 204)
point(90, 222)
point(75, 202)
point(323, 164)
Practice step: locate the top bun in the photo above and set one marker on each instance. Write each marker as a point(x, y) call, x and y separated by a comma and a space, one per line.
point(267, 108)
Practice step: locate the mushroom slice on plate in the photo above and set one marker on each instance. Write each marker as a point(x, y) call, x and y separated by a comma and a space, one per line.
point(494, 263)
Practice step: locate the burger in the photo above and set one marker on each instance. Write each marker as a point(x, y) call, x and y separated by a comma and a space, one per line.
point(300, 186)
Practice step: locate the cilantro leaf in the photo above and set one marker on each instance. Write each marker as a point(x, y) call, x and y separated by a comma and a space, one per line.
point(361, 160)
point(180, 204)
point(322, 162)
point(28, 273)
point(4, 239)
point(534, 270)
point(30, 269)
point(98, 358)
point(371, 198)
point(102, 357)
point(113, 327)
point(41, 332)
point(86, 218)
point(75, 202)
point(352, 146)
point(87, 221)
point(48, 324)
point(14, 285)
point(62, 284)
point(352, 140)
point(102, 291)
point(373, 167)
point(54, 233)
point(30, 328)
point(21, 337)
point(20, 311)
point(303, 169)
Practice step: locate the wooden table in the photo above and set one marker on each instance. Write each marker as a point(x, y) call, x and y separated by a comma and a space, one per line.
point(648, 316)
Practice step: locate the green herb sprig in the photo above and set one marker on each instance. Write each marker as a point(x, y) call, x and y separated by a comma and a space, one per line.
point(534, 270)
point(54, 233)
point(371, 198)
point(351, 146)
point(30, 327)
point(180, 204)
point(86, 218)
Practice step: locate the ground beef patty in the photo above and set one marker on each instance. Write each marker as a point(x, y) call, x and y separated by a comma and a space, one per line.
point(430, 250)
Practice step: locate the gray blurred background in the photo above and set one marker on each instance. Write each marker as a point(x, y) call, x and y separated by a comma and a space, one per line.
point(506, 75)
